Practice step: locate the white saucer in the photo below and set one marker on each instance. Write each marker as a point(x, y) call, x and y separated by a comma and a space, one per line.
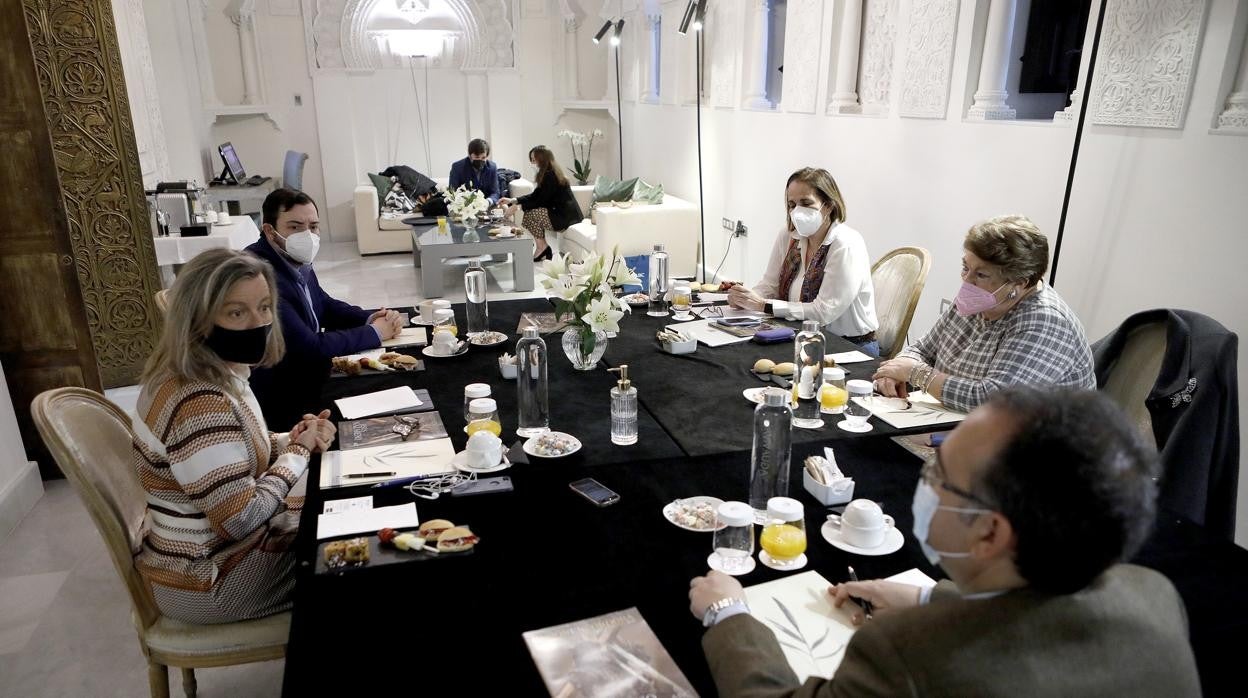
point(460, 461)
point(669, 513)
point(428, 351)
point(754, 395)
point(475, 343)
point(531, 443)
point(844, 424)
point(893, 540)
point(713, 562)
point(764, 558)
point(501, 236)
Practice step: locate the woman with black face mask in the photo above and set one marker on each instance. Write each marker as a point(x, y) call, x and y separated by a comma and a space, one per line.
point(224, 494)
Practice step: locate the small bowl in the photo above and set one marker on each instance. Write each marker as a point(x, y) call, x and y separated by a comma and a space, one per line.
point(508, 370)
point(680, 347)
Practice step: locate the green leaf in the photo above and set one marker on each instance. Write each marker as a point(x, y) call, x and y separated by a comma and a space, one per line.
point(587, 341)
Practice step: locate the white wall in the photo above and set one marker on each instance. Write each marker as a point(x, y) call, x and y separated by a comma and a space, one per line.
point(1156, 218)
point(20, 485)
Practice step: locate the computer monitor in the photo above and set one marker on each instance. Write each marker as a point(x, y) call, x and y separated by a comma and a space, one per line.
point(233, 166)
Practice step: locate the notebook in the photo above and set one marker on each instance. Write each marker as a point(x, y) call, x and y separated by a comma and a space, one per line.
point(373, 464)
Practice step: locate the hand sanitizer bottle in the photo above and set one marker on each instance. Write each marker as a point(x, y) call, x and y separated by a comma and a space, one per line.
point(623, 409)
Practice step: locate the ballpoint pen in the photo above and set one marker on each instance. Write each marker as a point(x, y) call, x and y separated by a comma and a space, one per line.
point(360, 475)
point(866, 605)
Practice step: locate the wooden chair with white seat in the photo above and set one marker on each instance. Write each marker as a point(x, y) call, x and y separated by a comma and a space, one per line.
point(90, 439)
point(898, 278)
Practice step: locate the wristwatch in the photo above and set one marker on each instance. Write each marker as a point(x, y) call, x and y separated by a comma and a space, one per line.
point(712, 611)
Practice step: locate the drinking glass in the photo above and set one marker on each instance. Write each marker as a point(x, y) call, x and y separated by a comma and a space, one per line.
point(733, 540)
point(444, 321)
point(856, 415)
point(682, 299)
point(483, 416)
point(833, 395)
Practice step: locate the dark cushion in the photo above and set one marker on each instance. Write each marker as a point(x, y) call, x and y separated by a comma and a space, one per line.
point(383, 187)
point(415, 184)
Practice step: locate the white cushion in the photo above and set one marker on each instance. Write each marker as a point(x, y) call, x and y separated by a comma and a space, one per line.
point(175, 637)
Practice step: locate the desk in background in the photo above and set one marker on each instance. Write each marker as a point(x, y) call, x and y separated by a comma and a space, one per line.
point(240, 199)
point(176, 250)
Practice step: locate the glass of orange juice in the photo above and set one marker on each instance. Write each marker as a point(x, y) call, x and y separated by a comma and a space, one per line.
point(833, 396)
point(483, 416)
point(783, 539)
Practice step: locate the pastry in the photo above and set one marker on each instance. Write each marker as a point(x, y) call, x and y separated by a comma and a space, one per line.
point(356, 550)
point(764, 366)
point(784, 369)
point(710, 288)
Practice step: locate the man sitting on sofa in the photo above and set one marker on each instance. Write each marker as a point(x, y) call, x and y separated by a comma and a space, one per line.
point(316, 327)
point(1030, 506)
point(477, 171)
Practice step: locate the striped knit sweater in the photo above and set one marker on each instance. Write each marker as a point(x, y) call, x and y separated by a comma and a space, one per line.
point(219, 486)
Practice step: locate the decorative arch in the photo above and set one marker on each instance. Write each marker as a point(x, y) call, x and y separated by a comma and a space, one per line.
point(339, 37)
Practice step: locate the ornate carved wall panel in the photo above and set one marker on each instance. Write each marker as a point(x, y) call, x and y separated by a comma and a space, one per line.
point(803, 41)
point(723, 35)
point(931, 36)
point(1146, 62)
point(84, 98)
point(879, 40)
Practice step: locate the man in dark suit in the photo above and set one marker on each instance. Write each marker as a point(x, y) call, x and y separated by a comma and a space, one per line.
point(477, 171)
point(1029, 506)
point(316, 327)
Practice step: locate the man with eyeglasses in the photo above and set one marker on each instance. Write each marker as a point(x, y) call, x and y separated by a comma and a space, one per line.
point(1030, 507)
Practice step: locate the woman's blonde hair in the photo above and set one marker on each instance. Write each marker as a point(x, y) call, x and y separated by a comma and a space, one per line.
point(194, 301)
point(825, 188)
point(1013, 243)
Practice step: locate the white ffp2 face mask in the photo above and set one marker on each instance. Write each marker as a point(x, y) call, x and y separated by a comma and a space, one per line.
point(926, 504)
point(806, 221)
point(303, 245)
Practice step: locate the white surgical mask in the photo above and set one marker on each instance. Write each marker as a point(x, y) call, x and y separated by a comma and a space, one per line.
point(303, 245)
point(806, 220)
point(926, 504)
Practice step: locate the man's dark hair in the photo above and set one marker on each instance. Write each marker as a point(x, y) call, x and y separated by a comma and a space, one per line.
point(281, 200)
point(478, 146)
point(1076, 482)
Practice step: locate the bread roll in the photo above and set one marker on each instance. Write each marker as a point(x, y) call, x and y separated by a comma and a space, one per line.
point(784, 369)
point(764, 366)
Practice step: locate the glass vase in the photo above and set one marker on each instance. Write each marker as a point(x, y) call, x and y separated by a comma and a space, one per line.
point(584, 346)
point(470, 229)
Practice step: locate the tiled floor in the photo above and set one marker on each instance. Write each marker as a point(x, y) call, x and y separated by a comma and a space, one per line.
point(65, 626)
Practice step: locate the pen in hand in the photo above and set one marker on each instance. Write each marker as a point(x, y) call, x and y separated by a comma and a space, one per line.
point(866, 605)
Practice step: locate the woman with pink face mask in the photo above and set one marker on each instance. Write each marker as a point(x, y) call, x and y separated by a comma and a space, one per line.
point(819, 268)
point(1007, 326)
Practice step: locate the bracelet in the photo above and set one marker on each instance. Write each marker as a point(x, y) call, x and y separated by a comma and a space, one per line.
point(920, 375)
point(712, 611)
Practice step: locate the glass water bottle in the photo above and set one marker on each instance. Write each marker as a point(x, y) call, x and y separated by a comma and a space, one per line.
point(475, 304)
point(808, 375)
point(769, 458)
point(534, 417)
point(658, 281)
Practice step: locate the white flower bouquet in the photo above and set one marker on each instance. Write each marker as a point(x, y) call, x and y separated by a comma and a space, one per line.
point(466, 203)
point(586, 290)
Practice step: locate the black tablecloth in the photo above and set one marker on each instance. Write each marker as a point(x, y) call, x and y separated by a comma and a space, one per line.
point(453, 626)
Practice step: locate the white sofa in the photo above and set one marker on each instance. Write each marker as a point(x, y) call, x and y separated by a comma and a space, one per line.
point(636, 229)
point(377, 233)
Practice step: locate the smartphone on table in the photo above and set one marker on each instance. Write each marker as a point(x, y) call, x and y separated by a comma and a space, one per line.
point(595, 491)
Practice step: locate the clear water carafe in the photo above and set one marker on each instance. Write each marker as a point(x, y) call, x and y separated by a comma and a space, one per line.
point(531, 388)
point(475, 304)
point(807, 375)
point(769, 458)
point(658, 281)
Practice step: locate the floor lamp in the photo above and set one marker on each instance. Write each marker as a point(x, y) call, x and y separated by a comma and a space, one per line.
point(617, 28)
point(694, 12)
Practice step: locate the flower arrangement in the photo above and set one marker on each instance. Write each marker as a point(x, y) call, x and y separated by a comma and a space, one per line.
point(466, 203)
point(586, 291)
point(582, 149)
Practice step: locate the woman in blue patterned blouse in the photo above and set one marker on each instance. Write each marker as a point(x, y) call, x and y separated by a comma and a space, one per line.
point(1007, 326)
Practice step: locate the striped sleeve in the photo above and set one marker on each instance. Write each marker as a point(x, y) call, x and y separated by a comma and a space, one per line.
point(209, 456)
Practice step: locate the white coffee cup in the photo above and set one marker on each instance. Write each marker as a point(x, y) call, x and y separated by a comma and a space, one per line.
point(863, 525)
point(429, 307)
point(223, 218)
point(444, 342)
point(211, 215)
point(484, 450)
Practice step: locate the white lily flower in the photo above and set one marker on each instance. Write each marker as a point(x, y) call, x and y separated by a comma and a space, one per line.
point(602, 315)
point(566, 289)
point(552, 270)
point(623, 275)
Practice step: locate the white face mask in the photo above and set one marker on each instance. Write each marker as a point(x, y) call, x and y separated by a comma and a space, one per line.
point(926, 504)
point(302, 246)
point(806, 221)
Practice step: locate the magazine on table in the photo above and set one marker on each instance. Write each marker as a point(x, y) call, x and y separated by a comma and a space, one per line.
point(610, 656)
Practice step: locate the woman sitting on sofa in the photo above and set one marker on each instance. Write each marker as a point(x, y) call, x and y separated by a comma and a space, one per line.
point(551, 206)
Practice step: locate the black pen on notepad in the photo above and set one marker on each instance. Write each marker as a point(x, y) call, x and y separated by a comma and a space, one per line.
point(866, 605)
point(358, 475)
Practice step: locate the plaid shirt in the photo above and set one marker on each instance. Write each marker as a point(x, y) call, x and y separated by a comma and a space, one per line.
point(1038, 342)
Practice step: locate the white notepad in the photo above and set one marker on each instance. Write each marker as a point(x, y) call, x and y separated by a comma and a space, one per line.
point(407, 337)
point(406, 459)
point(812, 633)
point(354, 521)
point(917, 410)
point(702, 331)
point(848, 357)
point(380, 402)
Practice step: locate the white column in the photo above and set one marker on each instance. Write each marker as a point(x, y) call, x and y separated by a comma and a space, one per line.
point(652, 59)
point(756, 71)
point(245, 20)
point(1068, 114)
point(990, 94)
point(845, 89)
point(1235, 116)
point(571, 82)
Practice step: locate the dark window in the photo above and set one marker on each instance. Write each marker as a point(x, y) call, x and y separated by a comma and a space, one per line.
point(1054, 45)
